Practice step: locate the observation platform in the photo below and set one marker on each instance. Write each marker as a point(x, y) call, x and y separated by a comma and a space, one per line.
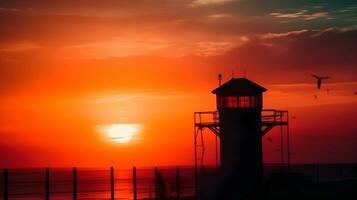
point(210, 120)
point(270, 119)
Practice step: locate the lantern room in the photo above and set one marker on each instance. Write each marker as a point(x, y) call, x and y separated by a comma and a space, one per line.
point(239, 93)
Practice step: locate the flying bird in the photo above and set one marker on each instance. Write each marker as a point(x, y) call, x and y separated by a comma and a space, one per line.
point(315, 96)
point(319, 79)
point(269, 138)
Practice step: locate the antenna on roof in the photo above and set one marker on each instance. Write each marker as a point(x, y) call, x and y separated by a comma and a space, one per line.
point(232, 73)
point(245, 73)
point(220, 79)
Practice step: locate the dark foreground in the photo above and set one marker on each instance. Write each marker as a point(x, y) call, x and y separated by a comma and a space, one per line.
point(310, 190)
point(339, 190)
point(308, 182)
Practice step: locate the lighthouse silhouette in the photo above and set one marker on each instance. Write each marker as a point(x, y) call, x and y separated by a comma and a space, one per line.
point(239, 123)
point(239, 106)
point(239, 103)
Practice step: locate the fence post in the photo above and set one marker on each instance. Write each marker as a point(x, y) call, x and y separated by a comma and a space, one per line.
point(47, 183)
point(6, 182)
point(74, 183)
point(317, 173)
point(178, 182)
point(112, 183)
point(134, 183)
point(156, 184)
point(150, 191)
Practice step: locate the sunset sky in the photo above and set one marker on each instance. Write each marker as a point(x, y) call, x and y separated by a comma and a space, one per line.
point(71, 69)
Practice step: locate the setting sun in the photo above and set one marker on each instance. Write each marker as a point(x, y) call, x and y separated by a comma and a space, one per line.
point(120, 133)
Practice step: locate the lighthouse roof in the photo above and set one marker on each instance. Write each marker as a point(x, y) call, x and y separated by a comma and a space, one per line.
point(239, 87)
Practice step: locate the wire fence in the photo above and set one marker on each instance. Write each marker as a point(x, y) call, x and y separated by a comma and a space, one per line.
point(135, 183)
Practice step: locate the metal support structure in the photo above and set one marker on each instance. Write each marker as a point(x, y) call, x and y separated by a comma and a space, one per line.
point(210, 120)
point(134, 184)
point(282, 147)
point(156, 183)
point(201, 144)
point(74, 183)
point(150, 197)
point(266, 129)
point(200, 123)
point(217, 165)
point(195, 150)
point(178, 182)
point(47, 174)
point(272, 118)
point(288, 138)
point(112, 196)
point(6, 184)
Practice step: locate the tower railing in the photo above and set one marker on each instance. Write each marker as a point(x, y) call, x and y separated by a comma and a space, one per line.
point(274, 117)
point(208, 119)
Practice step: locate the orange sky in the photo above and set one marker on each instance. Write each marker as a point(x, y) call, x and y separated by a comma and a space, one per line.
point(67, 68)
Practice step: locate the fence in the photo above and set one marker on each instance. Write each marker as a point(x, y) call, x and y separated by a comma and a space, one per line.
point(143, 183)
point(58, 184)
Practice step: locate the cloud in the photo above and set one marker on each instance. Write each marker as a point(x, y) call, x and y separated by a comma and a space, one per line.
point(213, 48)
point(303, 14)
point(81, 22)
point(117, 48)
point(234, 32)
point(289, 15)
point(219, 16)
point(317, 16)
point(286, 34)
point(19, 46)
point(297, 53)
point(208, 2)
point(285, 56)
point(115, 97)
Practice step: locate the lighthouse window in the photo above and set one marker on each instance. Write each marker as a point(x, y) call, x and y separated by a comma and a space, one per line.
point(255, 101)
point(239, 101)
point(244, 102)
point(231, 102)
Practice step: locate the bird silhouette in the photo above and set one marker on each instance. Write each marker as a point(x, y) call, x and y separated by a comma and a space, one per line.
point(355, 93)
point(327, 90)
point(315, 96)
point(319, 80)
point(269, 138)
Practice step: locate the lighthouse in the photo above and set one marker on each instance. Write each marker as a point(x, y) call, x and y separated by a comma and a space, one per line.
point(239, 125)
point(239, 104)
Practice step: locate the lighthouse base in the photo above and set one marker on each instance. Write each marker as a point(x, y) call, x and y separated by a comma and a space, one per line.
point(222, 186)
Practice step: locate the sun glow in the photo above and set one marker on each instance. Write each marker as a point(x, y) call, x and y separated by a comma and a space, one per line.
point(120, 133)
